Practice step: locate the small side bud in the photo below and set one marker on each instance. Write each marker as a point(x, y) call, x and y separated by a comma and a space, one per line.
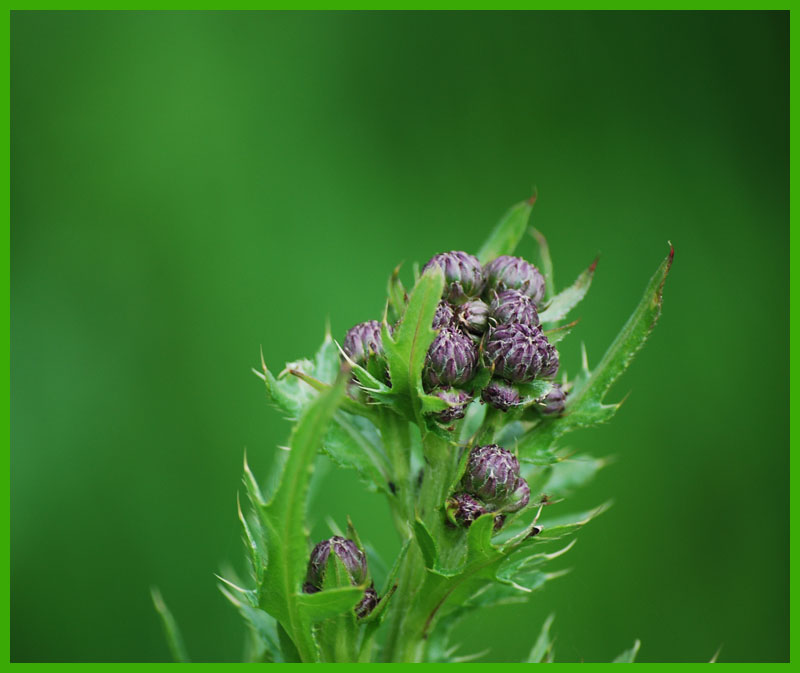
point(444, 316)
point(451, 360)
point(368, 603)
point(463, 509)
point(514, 273)
point(501, 395)
point(520, 353)
point(554, 401)
point(362, 341)
point(473, 316)
point(463, 275)
point(458, 401)
point(353, 559)
point(492, 474)
point(512, 306)
point(519, 498)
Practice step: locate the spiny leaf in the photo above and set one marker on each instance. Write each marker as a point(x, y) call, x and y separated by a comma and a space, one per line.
point(566, 300)
point(559, 333)
point(628, 656)
point(353, 443)
point(262, 625)
point(283, 519)
point(585, 405)
point(171, 630)
point(508, 232)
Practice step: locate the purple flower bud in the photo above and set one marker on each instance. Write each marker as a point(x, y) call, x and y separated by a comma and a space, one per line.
point(515, 273)
point(520, 353)
point(492, 473)
point(473, 316)
point(368, 603)
point(451, 360)
point(519, 498)
point(554, 402)
point(363, 341)
point(444, 315)
point(458, 401)
point(513, 306)
point(501, 395)
point(349, 554)
point(463, 509)
point(463, 275)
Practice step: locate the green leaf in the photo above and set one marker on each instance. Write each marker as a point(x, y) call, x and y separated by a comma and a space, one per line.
point(628, 656)
point(329, 602)
point(558, 308)
point(397, 294)
point(171, 630)
point(542, 650)
point(261, 624)
point(283, 520)
point(585, 406)
point(545, 264)
point(354, 443)
point(508, 232)
point(570, 474)
point(407, 348)
point(559, 333)
point(427, 545)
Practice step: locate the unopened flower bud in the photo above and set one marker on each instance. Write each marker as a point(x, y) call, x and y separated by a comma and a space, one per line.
point(520, 353)
point(554, 402)
point(513, 306)
point(463, 509)
point(463, 275)
point(368, 603)
point(492, 473)
point(451, 360)
point(473, 316)
point(353, 559)
point(519, 498)
point(444, 315)
point(501, 395)
point(514, 273)
point(458, 401)
point(363, 341)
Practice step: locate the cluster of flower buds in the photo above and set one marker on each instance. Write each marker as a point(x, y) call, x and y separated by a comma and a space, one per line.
point(355, 563)
point(493, 310)
point(491, 483)
point(487, 313)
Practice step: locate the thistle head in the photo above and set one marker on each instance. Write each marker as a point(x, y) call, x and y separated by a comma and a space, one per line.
point(512, 306)
point(554, 402)
point(463, 275)
point(473, 316)
point(492, 474)
point(520, 353)
point(353, 559)
point(514, 273)
point(501, 395)
point(463, 509)
point(363, 341)
point(444, 315)
point(458, 401)
point(451, 360)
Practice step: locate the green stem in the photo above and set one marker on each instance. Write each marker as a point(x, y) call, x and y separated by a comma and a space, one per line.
point(405, 641)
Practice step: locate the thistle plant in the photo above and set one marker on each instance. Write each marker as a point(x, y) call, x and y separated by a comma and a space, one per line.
point(453, 406)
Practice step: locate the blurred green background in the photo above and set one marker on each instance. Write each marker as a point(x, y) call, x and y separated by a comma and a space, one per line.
point(187, 187)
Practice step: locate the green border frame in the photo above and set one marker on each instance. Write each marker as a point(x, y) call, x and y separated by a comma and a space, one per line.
point(794, 239)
